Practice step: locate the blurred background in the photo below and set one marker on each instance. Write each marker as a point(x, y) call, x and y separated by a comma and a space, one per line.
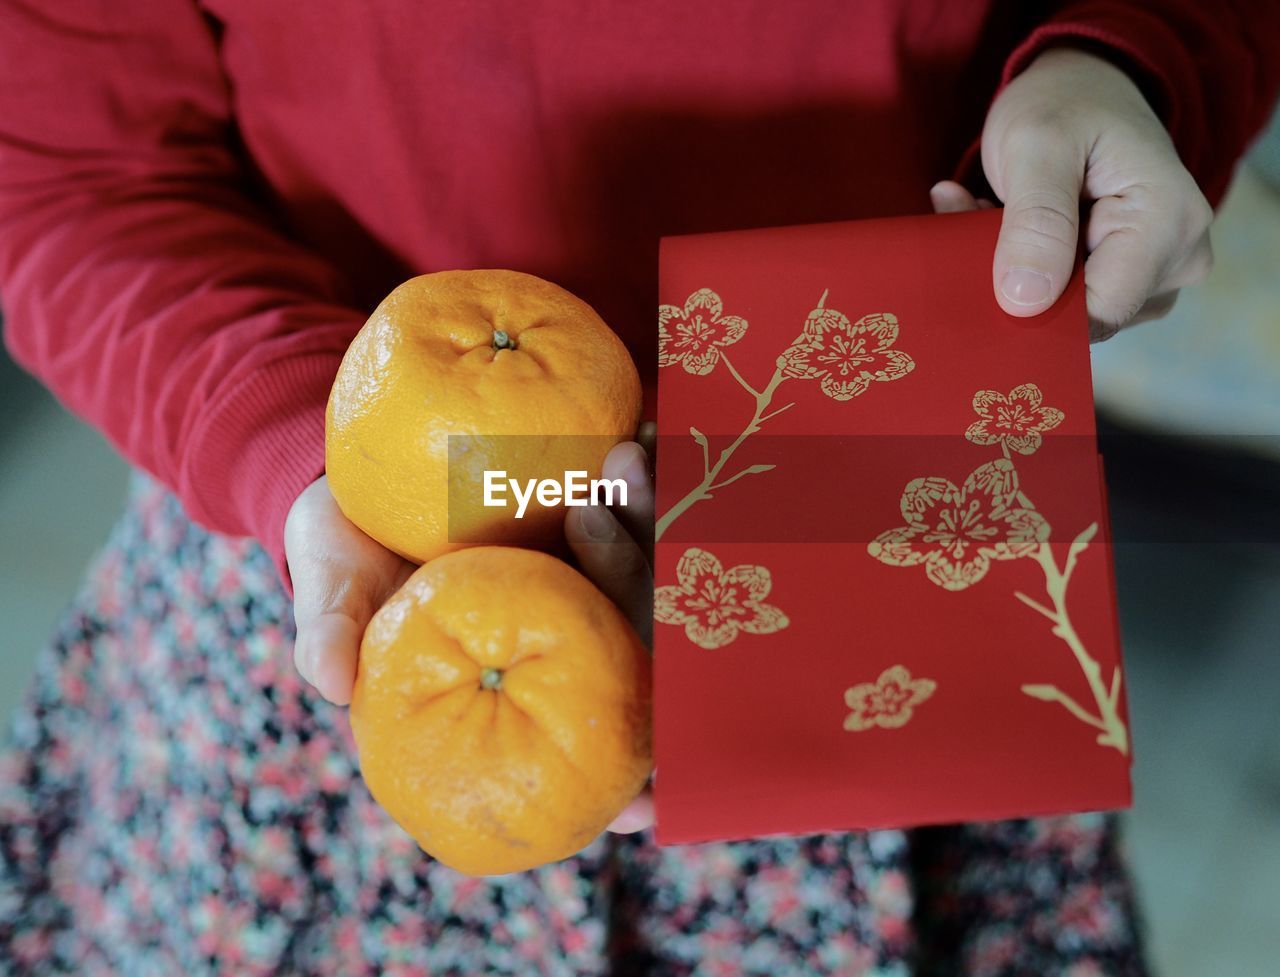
point(1189, 410)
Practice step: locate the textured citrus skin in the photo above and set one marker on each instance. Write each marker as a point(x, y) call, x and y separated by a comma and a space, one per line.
point(425, 367)
point(497, 780)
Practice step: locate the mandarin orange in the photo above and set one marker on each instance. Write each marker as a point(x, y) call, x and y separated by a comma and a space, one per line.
point(461, 372)
point(502, 709)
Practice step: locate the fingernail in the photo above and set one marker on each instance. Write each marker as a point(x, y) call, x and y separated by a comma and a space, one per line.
point(598, 523)
point(1023, 286)
point(322, 634)
point(330, 637)
point(330, 680)
point(635, 469)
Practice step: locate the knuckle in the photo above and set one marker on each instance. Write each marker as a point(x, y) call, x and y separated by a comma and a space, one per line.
point(1123, 312)
point(333, 585)
point(1045, 124)
point(1200, 264)
point(1194, 268)
point(1108, 314)
point(1156, 308)
point(1207, 258)
point(1042, 222)
point(1199, 213)
point(1100, 331)
point(1194, 213)
point(1162, 308)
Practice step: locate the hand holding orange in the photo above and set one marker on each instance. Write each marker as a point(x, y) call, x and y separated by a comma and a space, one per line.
point(501, 703)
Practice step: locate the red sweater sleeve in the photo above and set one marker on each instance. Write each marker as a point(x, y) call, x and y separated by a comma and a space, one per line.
point(140, 281)
point(1204, 67)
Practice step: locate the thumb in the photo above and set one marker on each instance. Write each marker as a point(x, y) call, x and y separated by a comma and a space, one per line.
point(1037, 246)
point(340, 578)
point(332, 608)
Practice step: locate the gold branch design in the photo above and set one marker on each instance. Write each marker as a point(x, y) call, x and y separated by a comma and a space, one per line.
point(844, 357)
point(710, 473)
point(1112, 730)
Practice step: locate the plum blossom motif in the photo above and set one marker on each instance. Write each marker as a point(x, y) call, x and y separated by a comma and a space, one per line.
point(846, 356)
point(957, 531)
point(715, 604)
point(887, 702)
point(1014, 421)
point(693, 336)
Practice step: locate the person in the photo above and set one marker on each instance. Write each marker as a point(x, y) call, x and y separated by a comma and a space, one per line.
point(199, 205)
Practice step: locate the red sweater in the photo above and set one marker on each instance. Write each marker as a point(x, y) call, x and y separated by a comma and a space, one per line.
point(201, 202)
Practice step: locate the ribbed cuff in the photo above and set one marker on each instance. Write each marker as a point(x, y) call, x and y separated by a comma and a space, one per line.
point(255, 455)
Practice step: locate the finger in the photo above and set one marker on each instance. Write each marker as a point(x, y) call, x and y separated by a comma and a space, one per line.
point(1130, 245)
point(614, 562)
point(340, 578)
point(331, 617)
point(636, 816)
point(1144, 241)
point(1156, 307)
point(629, 462)
point(331, 652)
point(1175, 218)
point(1194, 266)
point(1036, 251)
point(949, 197)
point(647, 437)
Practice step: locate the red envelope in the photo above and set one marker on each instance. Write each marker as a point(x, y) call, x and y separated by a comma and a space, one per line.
point(884, 587)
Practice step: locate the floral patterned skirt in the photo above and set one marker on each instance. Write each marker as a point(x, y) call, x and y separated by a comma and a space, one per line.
point(174, 800)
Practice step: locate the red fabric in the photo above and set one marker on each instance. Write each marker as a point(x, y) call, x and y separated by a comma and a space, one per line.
point(199, 204)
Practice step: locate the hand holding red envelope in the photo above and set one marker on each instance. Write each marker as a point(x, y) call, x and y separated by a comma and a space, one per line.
point(884, 593)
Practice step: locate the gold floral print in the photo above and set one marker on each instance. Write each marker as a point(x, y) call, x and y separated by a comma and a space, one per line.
point(846, 357)
point(695, 335)
point(888, 702)
point(956, 531)
point(1015, 420)
point(715, 604)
